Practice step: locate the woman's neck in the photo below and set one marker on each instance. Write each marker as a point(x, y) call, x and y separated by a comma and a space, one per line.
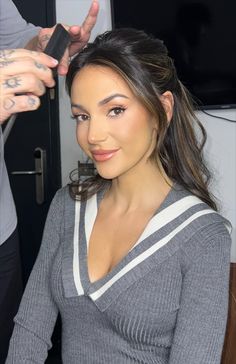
point(133, 191)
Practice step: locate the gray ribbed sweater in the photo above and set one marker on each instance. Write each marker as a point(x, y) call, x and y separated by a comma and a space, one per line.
point(165, 302)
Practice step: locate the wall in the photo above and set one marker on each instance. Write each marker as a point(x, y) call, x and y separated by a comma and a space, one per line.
point(74, 12)
point(220, 152)
point(221, 144)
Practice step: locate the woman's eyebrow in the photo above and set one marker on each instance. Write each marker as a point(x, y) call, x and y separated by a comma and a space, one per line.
point(109, 98)
point(78, 106)
point(102, 102)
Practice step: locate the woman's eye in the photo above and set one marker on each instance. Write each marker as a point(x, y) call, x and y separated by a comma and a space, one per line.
point(116, 111)
point(80, 117)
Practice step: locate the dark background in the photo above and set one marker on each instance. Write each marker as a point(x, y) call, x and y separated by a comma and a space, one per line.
point(200, 36)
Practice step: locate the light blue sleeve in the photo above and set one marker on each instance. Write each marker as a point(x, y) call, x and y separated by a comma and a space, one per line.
point(15, 32)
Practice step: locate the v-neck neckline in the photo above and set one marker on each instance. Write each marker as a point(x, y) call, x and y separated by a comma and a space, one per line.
point(91, 209)
point(176, 215)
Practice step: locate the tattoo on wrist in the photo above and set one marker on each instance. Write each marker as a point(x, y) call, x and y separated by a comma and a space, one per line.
point(8, 104)
point(12, 82)
point(40, 66)
point(5, 54)
point(5, 63)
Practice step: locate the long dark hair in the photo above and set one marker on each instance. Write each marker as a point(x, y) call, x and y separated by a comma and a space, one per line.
point(143, 62)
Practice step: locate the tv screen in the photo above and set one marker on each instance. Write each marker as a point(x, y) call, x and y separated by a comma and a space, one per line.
point(200, 37)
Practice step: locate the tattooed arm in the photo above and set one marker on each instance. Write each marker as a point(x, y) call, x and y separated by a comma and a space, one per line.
point(24, 75)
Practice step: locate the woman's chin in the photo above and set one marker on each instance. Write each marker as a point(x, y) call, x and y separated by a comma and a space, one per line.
point(106, 173)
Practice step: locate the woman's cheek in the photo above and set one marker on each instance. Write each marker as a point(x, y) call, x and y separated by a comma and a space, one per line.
point(81, 136)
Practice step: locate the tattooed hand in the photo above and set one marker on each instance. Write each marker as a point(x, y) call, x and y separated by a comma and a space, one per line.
point(79, 37)
point(24, 75)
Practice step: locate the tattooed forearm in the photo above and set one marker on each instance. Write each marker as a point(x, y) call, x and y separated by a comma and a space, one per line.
point(8, 104)
point(5, 54)
point(12, 82)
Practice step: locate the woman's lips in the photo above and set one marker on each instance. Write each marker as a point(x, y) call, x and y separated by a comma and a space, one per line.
point(103, 155)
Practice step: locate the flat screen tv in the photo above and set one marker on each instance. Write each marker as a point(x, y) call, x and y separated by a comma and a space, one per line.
point(201, 38)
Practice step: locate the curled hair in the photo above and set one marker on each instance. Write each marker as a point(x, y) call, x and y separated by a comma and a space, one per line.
point(143, 62)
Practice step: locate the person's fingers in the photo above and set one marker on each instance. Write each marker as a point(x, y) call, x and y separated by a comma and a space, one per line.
point(91, 18)
point(27, 65)
point(88, 22)
point(14, 104)
point(74, 30)
point(11, 54)
point(23, 77)
point(64, 63)
point(81, 34)
point(21, 83)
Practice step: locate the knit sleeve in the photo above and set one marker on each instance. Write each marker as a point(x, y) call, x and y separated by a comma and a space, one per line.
point(15, 32)
point(35, 320)
point(201, 321)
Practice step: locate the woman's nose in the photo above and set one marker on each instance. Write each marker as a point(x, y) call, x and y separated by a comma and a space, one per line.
point(97, 131)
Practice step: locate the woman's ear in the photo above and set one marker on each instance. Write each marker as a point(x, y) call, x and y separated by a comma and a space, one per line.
point(167, 100)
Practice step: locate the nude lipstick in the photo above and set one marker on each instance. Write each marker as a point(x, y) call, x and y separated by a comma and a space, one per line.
point(103, 155)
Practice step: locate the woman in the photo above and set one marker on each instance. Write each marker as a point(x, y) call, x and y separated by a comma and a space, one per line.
point(135, 259)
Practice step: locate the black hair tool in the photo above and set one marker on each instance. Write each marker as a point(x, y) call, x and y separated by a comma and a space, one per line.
point(57, 44)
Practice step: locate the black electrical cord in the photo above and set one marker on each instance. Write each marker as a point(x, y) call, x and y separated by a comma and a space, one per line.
point(218, 117)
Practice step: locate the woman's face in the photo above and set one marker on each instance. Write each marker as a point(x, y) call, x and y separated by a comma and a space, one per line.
point(113, 128)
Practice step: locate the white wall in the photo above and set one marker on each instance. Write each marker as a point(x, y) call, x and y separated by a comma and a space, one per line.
point(221, 146)
point(73, 12)
point(220, 153)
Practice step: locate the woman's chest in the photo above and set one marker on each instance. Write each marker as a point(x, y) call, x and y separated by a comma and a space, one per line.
point(144, 313)
point(149, 307)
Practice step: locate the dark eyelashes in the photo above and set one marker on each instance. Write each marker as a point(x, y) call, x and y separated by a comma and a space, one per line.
point(121, 109)
point(76, 118)
point(117, 110)
point(73, 117)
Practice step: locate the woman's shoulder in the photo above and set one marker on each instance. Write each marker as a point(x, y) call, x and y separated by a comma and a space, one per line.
point(62, 191)
point(184, 203)
point(63, 195)
point(65, 202)
point(190, 215)
point(203, 227)
point(61, 202)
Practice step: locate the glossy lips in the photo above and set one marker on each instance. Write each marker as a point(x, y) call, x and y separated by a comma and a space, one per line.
point(103, 155)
